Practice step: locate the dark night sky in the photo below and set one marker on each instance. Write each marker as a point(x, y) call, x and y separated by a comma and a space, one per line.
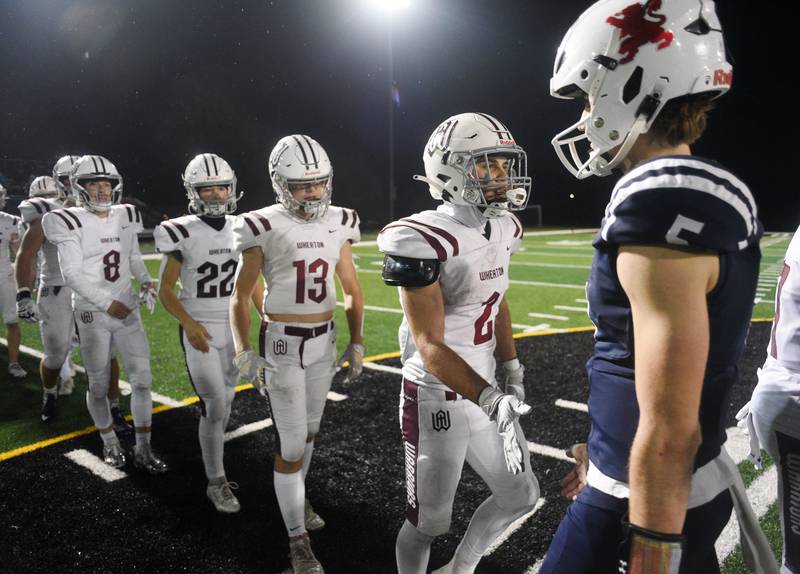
point(151, 83)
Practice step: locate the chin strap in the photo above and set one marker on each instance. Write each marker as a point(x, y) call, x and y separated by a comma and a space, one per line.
point(436, 187)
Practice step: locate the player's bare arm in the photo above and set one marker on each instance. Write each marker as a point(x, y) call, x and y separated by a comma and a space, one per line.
point(32, 242)
point(424, 309)
point(667, 289)
point(353, 296)
point(195, 332)
point(241, 297)
point(506, 350)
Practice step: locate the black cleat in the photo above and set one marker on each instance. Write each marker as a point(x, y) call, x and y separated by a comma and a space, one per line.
point(145, 459)
point(48, 407)
point(119, 422)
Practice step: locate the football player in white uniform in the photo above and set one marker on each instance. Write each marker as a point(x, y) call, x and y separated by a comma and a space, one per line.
point(199, 250)
point(9, 242)
point(452, 265)
point(772, 416)
point(53, 310)
point(98, 250)
point(298, 244)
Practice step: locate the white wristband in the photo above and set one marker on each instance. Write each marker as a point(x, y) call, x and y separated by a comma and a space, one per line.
point(511, 364)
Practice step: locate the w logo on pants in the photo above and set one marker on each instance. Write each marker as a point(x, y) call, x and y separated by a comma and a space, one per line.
point(279, 347)
point(440, 420)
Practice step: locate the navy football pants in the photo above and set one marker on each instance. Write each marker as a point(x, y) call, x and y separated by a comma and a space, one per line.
point(590, 533)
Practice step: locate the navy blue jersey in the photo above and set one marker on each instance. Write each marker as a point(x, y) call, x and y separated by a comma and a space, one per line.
point(670, 201)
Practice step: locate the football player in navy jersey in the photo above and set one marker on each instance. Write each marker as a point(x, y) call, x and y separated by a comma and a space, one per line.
point(670, 291)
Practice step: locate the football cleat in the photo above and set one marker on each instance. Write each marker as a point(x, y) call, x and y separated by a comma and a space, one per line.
point(16, 371)
point(302, 558)
point(113, 455)
point(222, 497)
point(48, 406)
point(313, 520)
point(66, 386)
point(118, 421)
point(145, 459)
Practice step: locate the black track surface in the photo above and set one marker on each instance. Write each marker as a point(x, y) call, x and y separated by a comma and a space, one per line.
point(57, 517)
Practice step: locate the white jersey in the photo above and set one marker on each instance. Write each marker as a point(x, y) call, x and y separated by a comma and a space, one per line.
point(98, 255)
point(299, 257)
point(474, 254)
point(32, 210)
point(208, 264)
point(9, 233)
point(784, 343)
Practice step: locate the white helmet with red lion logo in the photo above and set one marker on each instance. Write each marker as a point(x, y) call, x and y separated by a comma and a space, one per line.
point(629, 59)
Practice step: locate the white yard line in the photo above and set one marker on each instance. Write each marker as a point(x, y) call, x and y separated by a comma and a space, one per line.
point(761, 494)
point(547, 316)
point(383, 368)
point(247, 429)
point(575, 406)
point(529, 328)
point(95, 465)
point(546, 284)
point(568, 308)
point(335, 397)
point(549, 254)
point(549, 451)
point(557, 232)
point(549, 265)
point(152, 256)
point(374, 308)
point(513, 527)
point(123, 385)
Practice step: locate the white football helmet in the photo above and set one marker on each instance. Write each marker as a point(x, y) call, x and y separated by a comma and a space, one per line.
point(451, 155)
point(43, 186)
point(629, 59)
point(2, 196)
point(95, 167)
point(205, 170)
point(61, 171)
point(300, 160)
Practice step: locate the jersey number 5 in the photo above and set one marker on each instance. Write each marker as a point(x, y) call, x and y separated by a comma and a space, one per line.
point(211, 272)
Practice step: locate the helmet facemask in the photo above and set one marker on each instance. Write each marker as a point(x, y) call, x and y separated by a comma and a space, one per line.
point(2, 197)
point(508, 193)
point(304, 209)
point(199, 206)
point(94, 205)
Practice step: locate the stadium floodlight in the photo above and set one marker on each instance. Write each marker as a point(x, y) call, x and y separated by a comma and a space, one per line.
point(390, 6)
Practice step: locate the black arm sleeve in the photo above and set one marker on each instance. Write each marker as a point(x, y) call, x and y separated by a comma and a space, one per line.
point(409, 272)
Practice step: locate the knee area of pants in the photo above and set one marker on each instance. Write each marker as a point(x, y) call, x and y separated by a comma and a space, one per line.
point(140, 383)
point(216, 410)
point(98, 391)
point(54, 362)
point(292, 450)
point(313, 430)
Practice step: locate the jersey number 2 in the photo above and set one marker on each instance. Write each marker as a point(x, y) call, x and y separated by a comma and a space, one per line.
point(484, 326)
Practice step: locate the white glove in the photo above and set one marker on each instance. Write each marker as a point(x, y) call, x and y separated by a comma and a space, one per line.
point(250, 365)
point(354, 357)
point(27, 310)
point(505, 410)
point(745, 422)
point(148, 296)
point(513, 375)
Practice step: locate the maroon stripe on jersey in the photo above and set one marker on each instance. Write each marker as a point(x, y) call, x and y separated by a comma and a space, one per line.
point(172, 235)
point(518, 225)
point(355, 219)
point(344, 217)
point(264, 222)
point(67, 221)
point(441, 254)
point(410, 429)
point(182, 229)
point(36, 205)
point(130, 213)
point(138, 215)
point(74, 217)
point(251, 225)
point(773, 344)
point(446, 235)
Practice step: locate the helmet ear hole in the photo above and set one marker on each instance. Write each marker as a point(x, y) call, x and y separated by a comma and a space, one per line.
point(633, 86)
point(699, 27)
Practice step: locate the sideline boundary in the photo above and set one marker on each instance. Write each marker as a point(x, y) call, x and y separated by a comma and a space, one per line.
point(19, 451)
